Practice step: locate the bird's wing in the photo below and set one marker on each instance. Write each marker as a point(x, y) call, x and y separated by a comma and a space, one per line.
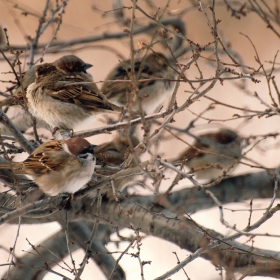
point(108, 153)
point(110, 157)
point(113, 89)
point(47, 157)
point(89, 97)
point(191, 152)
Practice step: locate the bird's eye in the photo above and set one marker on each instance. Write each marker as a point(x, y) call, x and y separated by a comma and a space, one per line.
point(136, 67)
point(122, 72)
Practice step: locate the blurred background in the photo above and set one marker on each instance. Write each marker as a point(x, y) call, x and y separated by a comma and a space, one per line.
point(91, 18)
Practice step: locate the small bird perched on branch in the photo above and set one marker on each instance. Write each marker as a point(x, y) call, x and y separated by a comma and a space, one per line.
point(212, 154)
point(70, 64)
point(58, 166)
point(65, 100)
point(113, 154)
point(152, 93)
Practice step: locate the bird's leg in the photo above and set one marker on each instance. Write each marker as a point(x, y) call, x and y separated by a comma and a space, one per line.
point(66, 201)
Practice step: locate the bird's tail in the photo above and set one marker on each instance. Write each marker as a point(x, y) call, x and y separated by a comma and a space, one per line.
point(115, 108)
point(12, 165)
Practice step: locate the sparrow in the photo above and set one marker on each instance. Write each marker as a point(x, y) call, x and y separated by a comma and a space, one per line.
point(70, 64)
point(212, 154)
point(58, 166)
point(152, 94)
point(113, 154)
point(65, 100)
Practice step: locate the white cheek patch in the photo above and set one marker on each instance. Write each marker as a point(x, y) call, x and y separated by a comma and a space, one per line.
point(65, 147)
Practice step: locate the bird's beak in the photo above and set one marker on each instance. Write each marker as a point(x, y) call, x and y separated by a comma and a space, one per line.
point(91, 149)
point(87, 66)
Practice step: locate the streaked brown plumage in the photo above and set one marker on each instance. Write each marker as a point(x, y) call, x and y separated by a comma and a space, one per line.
point(7, 178)
point(58, 166)
point(65, 100)
point(221, 149)
point(113, 154)
point(151, 93)
point(70, 64)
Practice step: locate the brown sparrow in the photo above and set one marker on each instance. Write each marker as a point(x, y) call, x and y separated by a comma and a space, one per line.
point(68, 63)
point(212, 154)
point(65, 100)
point(151, 93)
point(58, 166)
point(113, 154)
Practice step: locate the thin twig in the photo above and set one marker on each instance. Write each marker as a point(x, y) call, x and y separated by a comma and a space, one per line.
point(25, 144)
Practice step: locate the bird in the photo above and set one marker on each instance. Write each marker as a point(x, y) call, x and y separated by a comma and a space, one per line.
point(58, 166)
point(212, 154)
point(152, 93)
point(114, 153)
point(70, 64)
point(65, 100)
